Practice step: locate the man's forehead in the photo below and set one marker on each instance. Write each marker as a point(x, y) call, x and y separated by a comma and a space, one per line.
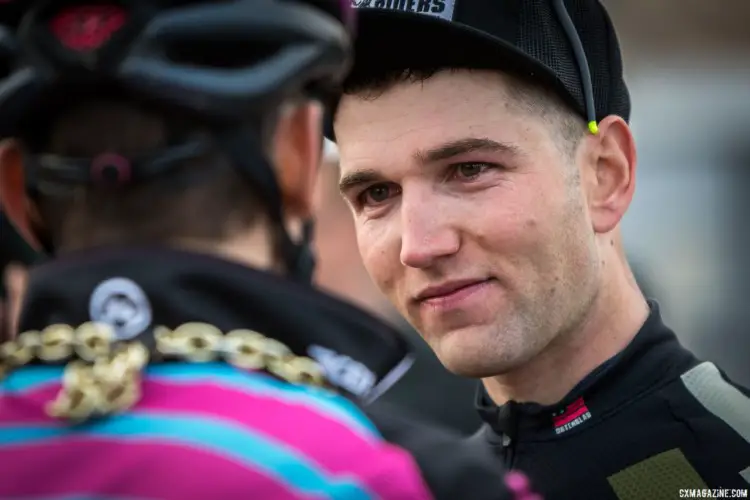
point(391, 130)
point(412, 108)
point(418, 117)
point(442, 89)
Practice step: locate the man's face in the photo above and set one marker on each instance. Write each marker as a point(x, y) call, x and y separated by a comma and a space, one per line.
point(469, 217)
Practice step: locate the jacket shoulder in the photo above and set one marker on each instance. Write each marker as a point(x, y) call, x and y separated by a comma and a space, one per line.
point(714, 413)
point(717, 398)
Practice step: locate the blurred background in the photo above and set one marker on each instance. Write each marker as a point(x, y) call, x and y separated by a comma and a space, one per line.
point(687, 63)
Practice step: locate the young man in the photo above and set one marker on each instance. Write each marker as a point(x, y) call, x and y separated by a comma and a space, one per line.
point(487, 158)
point(166, 152)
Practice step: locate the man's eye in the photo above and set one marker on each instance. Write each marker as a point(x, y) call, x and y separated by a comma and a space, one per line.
point(470, 170)
point(375, 194)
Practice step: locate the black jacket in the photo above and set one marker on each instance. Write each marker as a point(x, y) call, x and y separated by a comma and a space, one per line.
point(362, 355)
point(649, 422)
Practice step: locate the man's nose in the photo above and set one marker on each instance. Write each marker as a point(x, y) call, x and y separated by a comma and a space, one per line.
point(427, 234)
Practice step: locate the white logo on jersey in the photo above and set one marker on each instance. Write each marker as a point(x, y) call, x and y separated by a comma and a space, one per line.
point(122, 304)
point(343, 371)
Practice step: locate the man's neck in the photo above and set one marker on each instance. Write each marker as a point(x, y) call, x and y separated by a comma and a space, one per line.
point(613, 320)
point(252, 248)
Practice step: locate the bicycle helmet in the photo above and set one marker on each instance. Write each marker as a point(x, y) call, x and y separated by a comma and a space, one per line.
point(230, 63)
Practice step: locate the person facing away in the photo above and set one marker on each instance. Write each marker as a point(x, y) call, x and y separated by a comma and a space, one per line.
point(486, 156)
point(163, 154)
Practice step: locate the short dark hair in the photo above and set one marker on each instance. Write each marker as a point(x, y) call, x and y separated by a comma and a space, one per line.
point(370, 81)
point(204, 199)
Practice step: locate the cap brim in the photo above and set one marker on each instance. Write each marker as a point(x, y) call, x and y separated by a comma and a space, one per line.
point(397, 39)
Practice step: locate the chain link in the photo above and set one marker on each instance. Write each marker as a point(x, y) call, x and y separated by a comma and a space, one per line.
point(103, 376)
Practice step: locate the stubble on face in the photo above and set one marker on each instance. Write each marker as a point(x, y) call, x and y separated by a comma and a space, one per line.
point(523, 226)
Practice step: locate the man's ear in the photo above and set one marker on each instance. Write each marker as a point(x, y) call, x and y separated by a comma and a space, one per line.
point(611, 176)
point(297, 151)
point(14, 203)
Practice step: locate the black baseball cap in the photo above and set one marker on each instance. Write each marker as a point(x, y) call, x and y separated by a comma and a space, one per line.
point(568, 45)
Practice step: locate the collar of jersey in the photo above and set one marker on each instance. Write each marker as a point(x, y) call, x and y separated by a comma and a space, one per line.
point(189, 287)
point(654, 357)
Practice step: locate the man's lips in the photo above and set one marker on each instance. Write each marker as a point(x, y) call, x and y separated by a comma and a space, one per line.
point(445, 290)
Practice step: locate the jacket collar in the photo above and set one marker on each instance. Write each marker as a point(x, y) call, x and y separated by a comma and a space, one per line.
point(652, 358)
point(138, 289)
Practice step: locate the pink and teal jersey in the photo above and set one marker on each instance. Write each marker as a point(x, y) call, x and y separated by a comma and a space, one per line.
point(201, 431)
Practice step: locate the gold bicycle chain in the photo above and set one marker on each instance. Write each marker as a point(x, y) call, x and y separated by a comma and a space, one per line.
point(103, 375)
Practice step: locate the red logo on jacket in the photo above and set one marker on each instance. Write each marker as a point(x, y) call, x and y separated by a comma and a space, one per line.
point(572, 416)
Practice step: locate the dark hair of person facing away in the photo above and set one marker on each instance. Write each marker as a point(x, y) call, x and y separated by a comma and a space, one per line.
point(205, 199)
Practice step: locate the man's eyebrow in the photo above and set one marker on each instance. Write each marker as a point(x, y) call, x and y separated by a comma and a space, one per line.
point(357, 178)
point(440, 153)
point(462, 146)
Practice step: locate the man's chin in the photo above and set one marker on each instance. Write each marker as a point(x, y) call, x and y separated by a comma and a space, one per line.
point(475, 360)
point(467, 369)
point(472, 365)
